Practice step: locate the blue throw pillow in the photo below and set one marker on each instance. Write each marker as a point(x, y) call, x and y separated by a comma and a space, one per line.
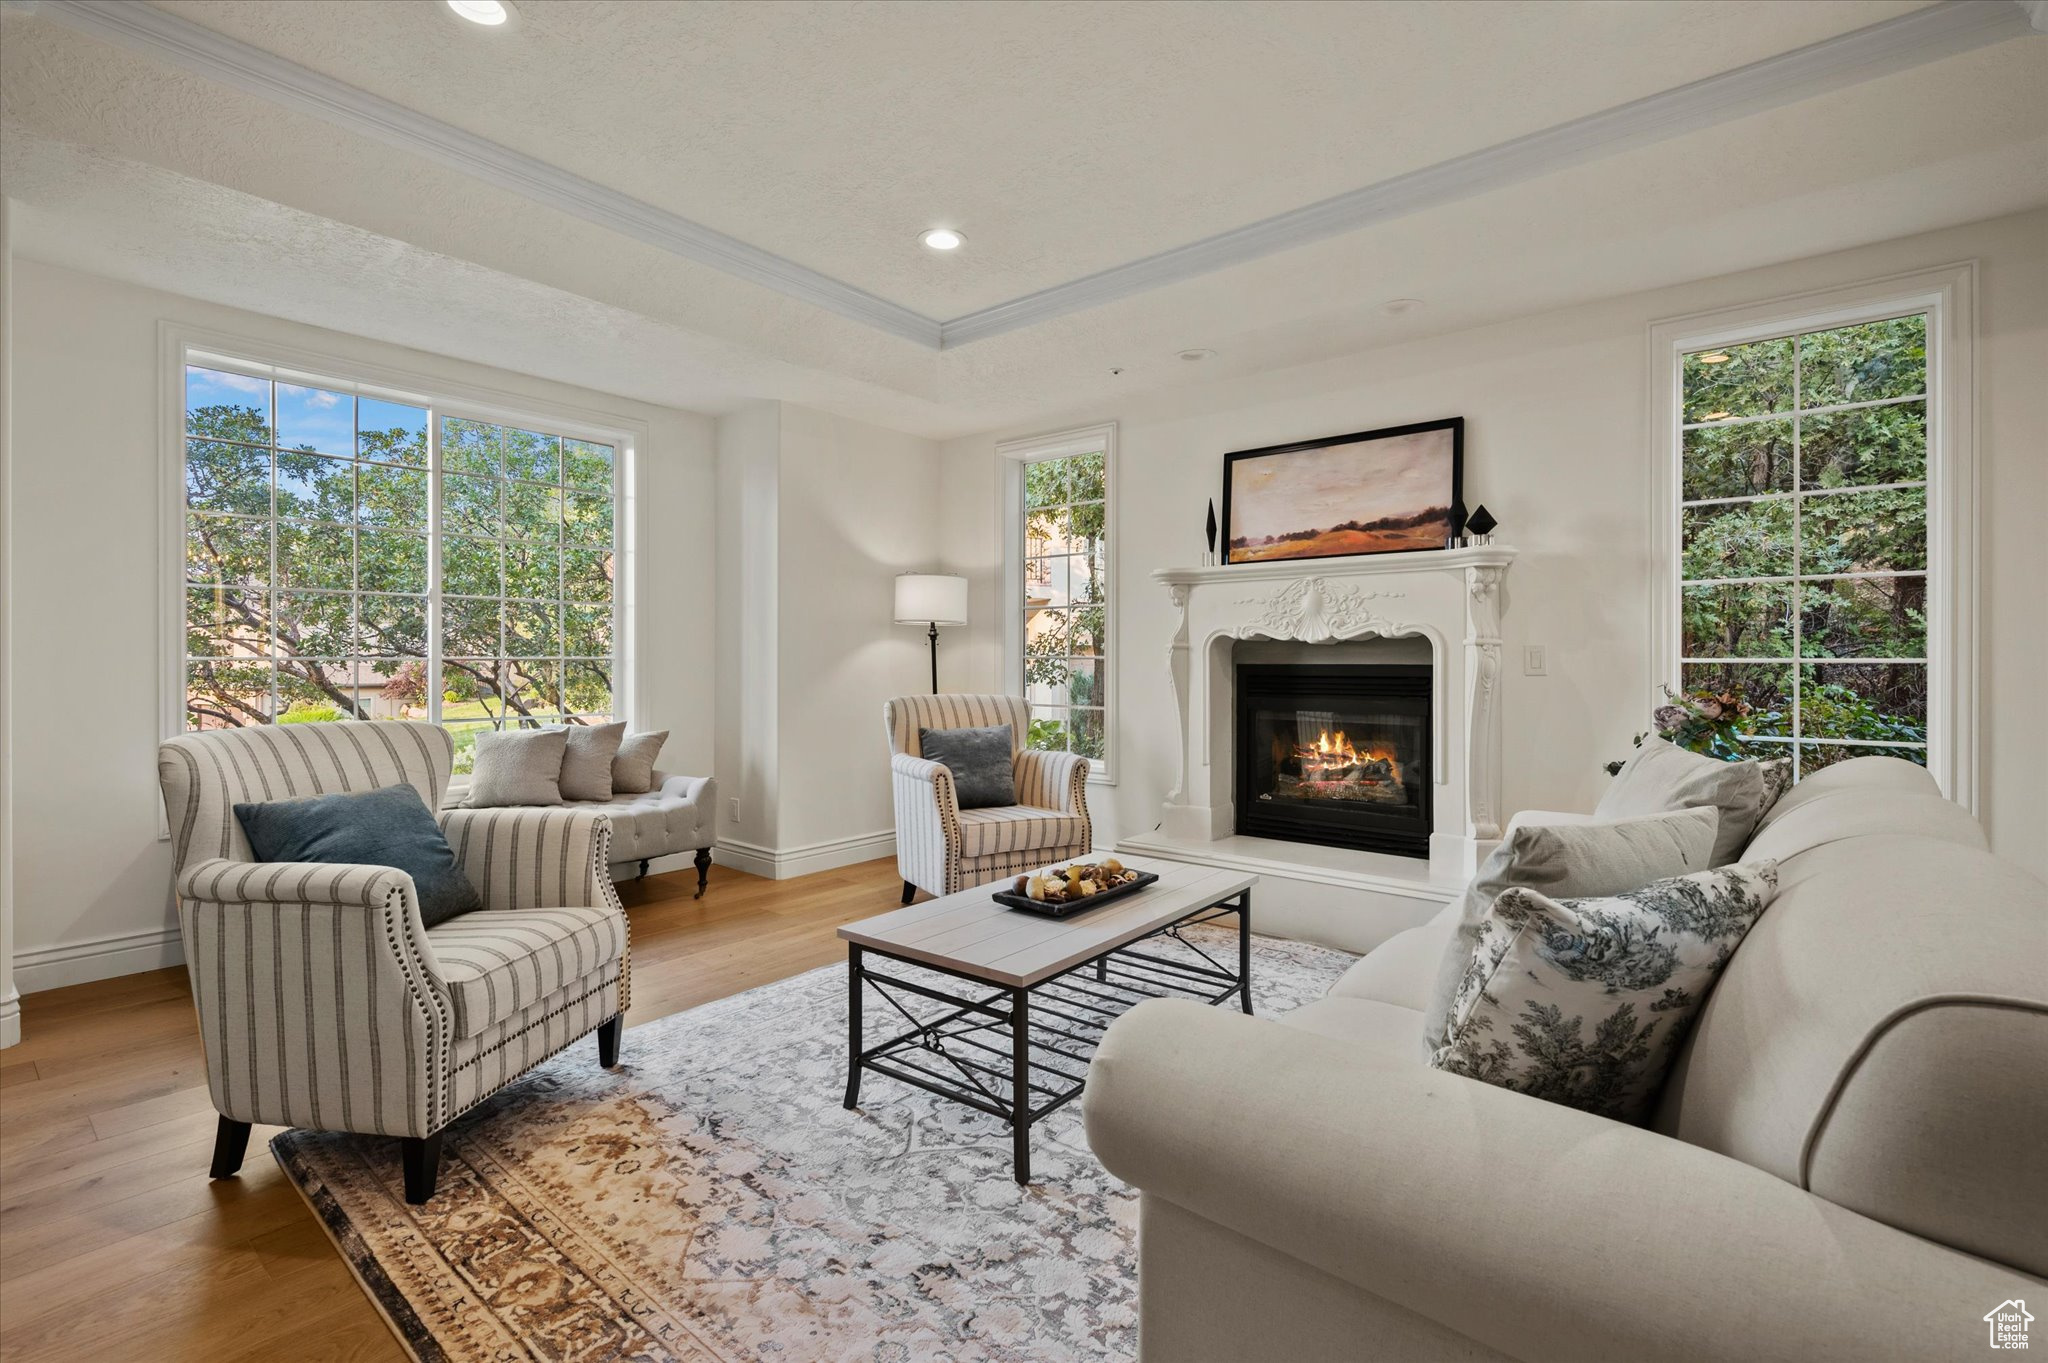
point(984, 770)
point(387, 827)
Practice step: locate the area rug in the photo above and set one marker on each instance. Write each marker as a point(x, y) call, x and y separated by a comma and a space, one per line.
point(711, 1202)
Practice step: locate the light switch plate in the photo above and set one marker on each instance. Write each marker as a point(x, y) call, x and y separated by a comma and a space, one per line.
point(1534, 664)
point(732, 809)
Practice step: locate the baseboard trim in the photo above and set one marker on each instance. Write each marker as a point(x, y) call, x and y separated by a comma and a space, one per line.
point(786, 863)
point(97, 958)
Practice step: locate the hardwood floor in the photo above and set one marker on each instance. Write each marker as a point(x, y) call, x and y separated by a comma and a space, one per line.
point(114, 1243)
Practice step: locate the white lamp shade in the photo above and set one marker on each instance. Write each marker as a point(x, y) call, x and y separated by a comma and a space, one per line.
point(930, 598)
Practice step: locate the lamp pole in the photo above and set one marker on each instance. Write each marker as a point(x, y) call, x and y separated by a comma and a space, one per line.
point(935, 656)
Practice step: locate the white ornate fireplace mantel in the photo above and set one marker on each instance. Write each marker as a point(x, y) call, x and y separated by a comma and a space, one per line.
point(1450, 597)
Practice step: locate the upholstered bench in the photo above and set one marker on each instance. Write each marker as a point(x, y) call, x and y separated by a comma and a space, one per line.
point(673, 817)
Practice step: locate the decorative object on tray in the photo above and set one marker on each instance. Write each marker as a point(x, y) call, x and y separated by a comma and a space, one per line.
point(1209, 527)
point(1479, 526)
point(1372, 492)
point(1069, 889)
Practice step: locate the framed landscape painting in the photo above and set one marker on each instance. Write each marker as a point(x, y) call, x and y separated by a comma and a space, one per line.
point(1375, 492)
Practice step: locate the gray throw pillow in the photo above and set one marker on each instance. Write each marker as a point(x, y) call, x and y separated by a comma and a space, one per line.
point(387, 827)
point(1662, 777)
point(1567, 860)
point(1585, 1001)
point(984, 769)
point(587, 761)
point(518, 767)
point(633, 768)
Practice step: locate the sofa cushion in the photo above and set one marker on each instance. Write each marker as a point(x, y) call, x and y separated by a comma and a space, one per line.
point(518, 767)
point(654, 823)
point(983, 763)
point(1881, 1040)
point(498, 961)
point(1402, 969)
point(633, 768)
point(1386, 1029)
point(587, 760)
point(1584, 1001)
point(1566, 860)
point(1663, 776)
point(386, 827)
point(1018, 828)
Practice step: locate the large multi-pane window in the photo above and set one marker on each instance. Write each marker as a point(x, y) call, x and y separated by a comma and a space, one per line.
point(348, 557)
point(1803, 536)
point(1066, 602)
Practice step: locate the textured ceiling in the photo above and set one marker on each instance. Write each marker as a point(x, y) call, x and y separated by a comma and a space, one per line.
point(1062, 138)
point(129, 167)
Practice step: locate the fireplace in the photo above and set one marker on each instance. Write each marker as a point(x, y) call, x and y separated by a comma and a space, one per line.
point(1335, 754)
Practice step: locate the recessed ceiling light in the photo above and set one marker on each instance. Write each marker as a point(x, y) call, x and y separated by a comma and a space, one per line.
point(1396, 306)
point(942, 239)
point(487, 12)
point(1713, 357)
point(1197, 354)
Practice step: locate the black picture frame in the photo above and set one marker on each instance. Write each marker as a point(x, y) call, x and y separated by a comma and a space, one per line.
point(1455, 425)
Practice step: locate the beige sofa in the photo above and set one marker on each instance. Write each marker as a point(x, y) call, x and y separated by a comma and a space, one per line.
point(1850, 1161)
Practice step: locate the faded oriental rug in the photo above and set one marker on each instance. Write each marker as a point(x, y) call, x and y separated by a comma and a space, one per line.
point(710, 1201)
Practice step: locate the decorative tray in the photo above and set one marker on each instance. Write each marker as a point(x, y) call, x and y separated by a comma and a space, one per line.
point(1010, 899)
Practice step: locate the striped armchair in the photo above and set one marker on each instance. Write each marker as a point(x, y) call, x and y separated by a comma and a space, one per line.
point(322, 1000)
point(942, 848)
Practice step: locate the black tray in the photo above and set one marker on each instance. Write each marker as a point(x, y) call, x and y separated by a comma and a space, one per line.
point(1010, 899)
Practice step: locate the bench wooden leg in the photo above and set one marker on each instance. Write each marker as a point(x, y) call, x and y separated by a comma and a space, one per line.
point(703, 870)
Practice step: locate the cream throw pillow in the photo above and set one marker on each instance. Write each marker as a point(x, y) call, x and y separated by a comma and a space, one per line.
point(1662, 777)
point(1568, 859)
point(633, 768)
point(587, 763)
point(518, 767)
point(1585, 1001)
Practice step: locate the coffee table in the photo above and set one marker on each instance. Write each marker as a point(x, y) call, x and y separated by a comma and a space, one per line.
point(1014, 1035)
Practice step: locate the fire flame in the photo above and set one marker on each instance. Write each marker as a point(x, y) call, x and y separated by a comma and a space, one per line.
point(1334, 753)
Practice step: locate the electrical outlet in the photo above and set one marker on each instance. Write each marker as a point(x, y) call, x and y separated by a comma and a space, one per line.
point(1533, 661)
point(732, 809)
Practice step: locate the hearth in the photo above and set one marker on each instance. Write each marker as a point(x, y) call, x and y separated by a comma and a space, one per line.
point(1335, 754)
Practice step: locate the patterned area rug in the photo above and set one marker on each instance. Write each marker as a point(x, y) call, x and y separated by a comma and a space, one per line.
point(710, 1201)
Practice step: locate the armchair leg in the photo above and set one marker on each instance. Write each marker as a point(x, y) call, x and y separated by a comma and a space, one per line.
point(909, 892)
point(703, 870)
point(230, 1144)
point(608, 1040)
point(422, 1156)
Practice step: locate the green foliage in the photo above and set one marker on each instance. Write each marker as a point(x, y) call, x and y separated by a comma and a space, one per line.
point(1046, 735)
point(308, 712)
point(1065, 536)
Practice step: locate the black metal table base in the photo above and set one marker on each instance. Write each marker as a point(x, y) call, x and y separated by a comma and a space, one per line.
point(1021, 1054)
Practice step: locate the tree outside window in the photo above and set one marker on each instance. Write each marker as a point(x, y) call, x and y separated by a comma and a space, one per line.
point(310, 523)
point(1066, 565)
point(1804, 537)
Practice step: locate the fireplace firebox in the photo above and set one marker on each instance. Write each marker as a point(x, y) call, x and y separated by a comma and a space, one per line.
point(1337, 754)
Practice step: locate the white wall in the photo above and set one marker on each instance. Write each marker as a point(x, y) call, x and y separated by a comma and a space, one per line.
point(1557, 447)
point(91, 878)
point(829, 510)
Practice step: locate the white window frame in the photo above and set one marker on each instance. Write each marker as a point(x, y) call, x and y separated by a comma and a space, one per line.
point(1947, 295)
point(1012, 456)
point(180, 346)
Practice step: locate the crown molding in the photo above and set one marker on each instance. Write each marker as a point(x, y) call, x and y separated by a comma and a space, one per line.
point(1925, 35)
point(197, 49)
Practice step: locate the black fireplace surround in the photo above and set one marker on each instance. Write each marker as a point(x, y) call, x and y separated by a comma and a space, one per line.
point(1337, 754)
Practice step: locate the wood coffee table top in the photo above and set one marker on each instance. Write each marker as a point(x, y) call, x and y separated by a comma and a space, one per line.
point(970, 933)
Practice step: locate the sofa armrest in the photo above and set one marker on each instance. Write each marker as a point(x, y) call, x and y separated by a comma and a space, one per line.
point(927, 822)
point(699, 795)
point(284, 1050)
point(1053, 780)
point(1536, 1229)
point(522, 858)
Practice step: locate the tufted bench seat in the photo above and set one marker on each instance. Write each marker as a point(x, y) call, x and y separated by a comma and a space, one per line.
point(673, 817)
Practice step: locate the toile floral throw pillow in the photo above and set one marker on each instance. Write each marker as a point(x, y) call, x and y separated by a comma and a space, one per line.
point(1584, 1001)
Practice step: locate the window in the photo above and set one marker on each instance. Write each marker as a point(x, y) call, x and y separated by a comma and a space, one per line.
point(1060, 589)
point(348, 556)
point(1804, 476)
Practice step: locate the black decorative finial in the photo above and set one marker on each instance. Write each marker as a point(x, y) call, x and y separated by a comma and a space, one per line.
point(1481, 522)
point(1212, 527)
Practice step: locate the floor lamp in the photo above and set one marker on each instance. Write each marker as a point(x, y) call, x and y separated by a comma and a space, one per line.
point(931, 599)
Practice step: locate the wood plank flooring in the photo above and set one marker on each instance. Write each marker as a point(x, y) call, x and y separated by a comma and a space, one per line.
point(114, 1243)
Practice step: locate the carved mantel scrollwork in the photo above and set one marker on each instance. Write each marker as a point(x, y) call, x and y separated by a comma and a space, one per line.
point(1314, 610)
